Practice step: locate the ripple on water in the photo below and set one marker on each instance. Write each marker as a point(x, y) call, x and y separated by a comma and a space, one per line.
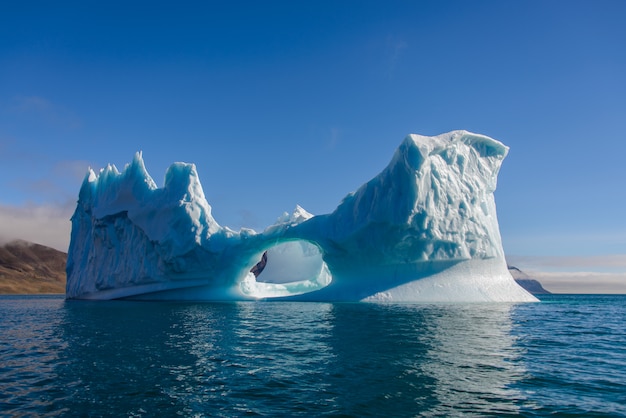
point(562, 356)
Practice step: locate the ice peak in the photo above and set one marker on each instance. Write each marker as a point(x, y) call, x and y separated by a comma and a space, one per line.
point(300, 215)
point(415, 149)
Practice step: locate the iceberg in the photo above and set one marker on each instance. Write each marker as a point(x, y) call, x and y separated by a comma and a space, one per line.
point(423, 230)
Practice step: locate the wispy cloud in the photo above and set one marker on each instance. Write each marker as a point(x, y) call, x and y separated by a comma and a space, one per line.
point(582, 282)
point(49, 199)
point(395, 47)
point(47, 111)
point(600, 263)
point(576, 274)
point(571, 242)
point(333, 138)
point(12, 150)
point(72, 169)
point(43, 224)
point(56, 184)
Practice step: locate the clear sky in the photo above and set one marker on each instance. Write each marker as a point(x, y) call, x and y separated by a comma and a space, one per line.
point(281, 103)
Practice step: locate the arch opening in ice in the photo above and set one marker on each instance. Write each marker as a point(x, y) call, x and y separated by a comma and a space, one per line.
point(287, 269)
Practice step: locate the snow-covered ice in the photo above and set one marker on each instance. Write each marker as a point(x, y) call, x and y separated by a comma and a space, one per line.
point(424, 229)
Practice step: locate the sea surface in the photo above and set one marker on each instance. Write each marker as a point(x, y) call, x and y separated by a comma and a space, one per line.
point(565, 356)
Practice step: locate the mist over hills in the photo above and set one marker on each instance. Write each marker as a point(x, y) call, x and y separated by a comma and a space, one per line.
point(29, 268)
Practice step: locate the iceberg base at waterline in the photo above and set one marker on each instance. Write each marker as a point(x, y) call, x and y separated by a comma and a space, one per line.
point(423, 230)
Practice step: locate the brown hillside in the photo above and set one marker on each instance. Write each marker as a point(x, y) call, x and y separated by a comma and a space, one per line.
point(28, 268)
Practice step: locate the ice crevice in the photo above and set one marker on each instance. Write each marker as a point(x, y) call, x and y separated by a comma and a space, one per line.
point(423, 230)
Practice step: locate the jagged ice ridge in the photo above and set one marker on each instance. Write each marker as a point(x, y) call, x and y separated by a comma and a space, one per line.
point(424, 229)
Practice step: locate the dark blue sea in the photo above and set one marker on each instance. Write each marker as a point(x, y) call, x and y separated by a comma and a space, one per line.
point(565, 356)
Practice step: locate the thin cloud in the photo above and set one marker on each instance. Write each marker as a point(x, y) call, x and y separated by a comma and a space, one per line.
point(579, 241)
point(582, 282)
point(47, 111)
point(600, 263)
point(42, 224)
point(72, 169)
point(58, 183)
point(11, 151)
point(42, 186)
point(395, 47)
point(576, 274)
point(32, 103)
point(334, 138)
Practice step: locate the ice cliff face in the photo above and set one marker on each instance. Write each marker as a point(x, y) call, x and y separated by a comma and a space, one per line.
point(424, 229)
point(433, 202)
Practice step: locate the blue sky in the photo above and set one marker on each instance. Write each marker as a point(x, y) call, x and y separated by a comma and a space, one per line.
point(281, 103)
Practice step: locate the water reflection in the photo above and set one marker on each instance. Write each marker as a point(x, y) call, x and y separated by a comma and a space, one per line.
point(119, 357)
point(232, 359)
point(215, 359)
point(250, 358)
point(428, 360)
point(473, 360)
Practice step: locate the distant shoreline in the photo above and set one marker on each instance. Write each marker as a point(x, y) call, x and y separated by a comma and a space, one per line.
point(27, 268)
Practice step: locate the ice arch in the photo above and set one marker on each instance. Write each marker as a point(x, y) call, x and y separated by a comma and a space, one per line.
point(424, 229)
point(292, 268)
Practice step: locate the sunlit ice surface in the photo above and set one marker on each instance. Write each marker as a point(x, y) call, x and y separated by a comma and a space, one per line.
point(424, 229)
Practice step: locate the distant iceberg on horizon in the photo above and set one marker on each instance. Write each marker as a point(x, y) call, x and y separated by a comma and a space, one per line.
point(423, 230)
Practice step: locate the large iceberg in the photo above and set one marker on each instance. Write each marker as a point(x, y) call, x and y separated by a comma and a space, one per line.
point(423, 230)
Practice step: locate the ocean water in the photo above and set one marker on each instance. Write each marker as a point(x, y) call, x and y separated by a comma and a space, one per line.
point(565, 356)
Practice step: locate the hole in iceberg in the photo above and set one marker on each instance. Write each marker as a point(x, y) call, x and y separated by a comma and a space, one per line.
point(287, 269)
